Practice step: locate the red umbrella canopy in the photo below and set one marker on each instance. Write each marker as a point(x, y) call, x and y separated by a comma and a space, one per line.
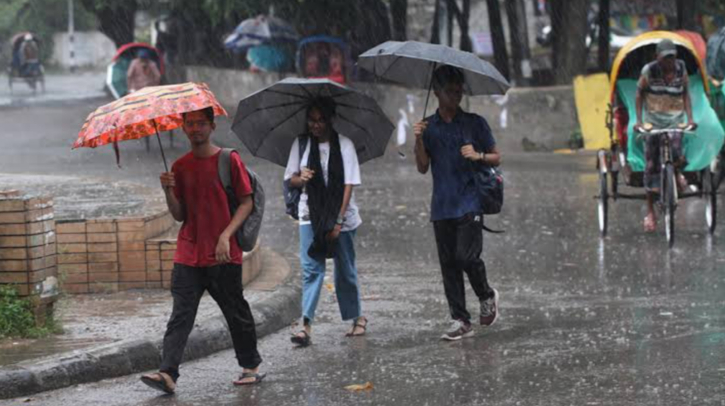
point(145, 112)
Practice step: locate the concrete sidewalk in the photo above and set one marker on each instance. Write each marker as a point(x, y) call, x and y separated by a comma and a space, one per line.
point(119, 334)
point(59, 87)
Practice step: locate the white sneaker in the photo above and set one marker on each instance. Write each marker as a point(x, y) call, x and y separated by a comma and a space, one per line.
point(458, 331)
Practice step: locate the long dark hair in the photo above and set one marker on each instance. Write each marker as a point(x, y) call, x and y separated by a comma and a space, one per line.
point(326, 106)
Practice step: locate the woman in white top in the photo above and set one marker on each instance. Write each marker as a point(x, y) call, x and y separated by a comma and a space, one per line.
point(326, 172)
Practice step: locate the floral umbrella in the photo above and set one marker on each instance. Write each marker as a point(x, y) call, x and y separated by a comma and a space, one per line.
point(144, 113)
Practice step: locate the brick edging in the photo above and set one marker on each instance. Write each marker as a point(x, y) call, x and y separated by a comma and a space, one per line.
point(133, 356)
point(108, 255)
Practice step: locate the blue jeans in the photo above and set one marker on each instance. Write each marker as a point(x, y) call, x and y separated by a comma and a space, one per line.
point(313, 275)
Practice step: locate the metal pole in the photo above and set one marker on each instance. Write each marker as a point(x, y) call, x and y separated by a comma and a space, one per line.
point(163, 156)
point(430, 84)
point(71, 36)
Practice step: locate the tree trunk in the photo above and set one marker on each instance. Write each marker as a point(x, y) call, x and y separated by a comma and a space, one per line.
point(500, 55)
point(450, 14)
point(462, 17)
point(569, 31)
point(116, 20)
point(686, 15)
point(435, 35)
point(603, 23)
point(465, 16)
point(399, 13)
point(520, 53)
point(372, 26)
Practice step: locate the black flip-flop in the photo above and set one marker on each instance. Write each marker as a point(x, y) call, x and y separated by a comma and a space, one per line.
point(157, 384)
point(257, 378)
point(303, 341)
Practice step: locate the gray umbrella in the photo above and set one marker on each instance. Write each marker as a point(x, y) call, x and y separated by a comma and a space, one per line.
point(412, 63)
point(269, 120)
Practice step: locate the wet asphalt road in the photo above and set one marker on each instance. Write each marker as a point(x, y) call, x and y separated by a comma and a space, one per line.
point(584, 321)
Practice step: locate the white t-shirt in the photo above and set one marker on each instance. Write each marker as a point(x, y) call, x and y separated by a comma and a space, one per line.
point(352, 219)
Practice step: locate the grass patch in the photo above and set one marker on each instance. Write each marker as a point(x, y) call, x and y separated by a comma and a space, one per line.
point(17, 318)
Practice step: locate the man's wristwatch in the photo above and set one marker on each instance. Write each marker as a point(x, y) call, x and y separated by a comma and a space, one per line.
point(339, 220)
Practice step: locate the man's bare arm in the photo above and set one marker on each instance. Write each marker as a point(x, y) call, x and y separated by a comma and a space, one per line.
point(176, 208)
point(422, 160)
point(641, 84)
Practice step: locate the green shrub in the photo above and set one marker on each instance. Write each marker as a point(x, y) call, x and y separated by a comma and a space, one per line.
point(17, 319)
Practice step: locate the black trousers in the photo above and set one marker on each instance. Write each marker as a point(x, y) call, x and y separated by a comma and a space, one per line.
point(460, 243)
point(224, 283)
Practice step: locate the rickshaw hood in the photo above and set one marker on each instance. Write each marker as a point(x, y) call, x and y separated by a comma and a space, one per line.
point(651, 38)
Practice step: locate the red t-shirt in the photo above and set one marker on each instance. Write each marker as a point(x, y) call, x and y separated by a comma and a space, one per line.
point(206, 210)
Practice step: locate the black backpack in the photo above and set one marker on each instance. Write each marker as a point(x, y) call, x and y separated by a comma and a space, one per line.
point(249, 231)
point(292, 194)
point(489, 185)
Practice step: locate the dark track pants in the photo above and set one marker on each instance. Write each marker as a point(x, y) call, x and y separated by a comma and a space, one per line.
point(224, 283)
point(460, 243)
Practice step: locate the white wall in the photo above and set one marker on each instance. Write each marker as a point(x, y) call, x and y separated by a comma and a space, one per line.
point(92, 49)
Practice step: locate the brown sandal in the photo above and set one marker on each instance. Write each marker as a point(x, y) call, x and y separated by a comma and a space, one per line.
point(160, 381)
point(257, 378)
point(357, 324)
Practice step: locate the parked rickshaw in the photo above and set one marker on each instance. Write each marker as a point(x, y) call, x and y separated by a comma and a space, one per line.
point(23, 67)
point(116, 71)
point(626, 158)
point(324, 57)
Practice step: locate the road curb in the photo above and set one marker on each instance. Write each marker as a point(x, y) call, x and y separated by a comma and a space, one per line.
point(133, 356)
point(20, 103)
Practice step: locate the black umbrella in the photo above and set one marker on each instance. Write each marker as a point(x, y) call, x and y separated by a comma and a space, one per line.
point(269, 120)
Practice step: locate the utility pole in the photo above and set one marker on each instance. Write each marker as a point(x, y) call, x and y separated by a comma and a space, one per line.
point(71, 36)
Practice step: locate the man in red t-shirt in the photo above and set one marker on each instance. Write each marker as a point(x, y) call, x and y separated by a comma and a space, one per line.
point(207, 254)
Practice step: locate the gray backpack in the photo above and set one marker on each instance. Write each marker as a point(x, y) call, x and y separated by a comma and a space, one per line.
point(249, 231)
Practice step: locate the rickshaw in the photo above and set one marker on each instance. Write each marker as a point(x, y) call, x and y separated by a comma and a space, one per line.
point(324, 57)
point(626, 154)
point(116, 71)
point(30, 72)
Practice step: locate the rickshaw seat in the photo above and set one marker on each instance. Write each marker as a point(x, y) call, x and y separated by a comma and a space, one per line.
point(699, 150)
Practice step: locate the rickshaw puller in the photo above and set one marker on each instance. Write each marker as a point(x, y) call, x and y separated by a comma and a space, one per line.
point(662, 90)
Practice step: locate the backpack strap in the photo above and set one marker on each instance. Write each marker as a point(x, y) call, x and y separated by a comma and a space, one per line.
point(225, 167)
point(485, 228)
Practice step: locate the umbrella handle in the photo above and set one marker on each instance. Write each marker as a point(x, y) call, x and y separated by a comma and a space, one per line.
point(163, 156)
point(430, 84)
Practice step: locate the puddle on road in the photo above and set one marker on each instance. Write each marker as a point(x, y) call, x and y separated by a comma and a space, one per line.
point(14, 351)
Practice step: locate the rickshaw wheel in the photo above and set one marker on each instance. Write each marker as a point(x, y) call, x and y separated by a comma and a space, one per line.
point(603, 204)
point(710, 196)
point(670, 202)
